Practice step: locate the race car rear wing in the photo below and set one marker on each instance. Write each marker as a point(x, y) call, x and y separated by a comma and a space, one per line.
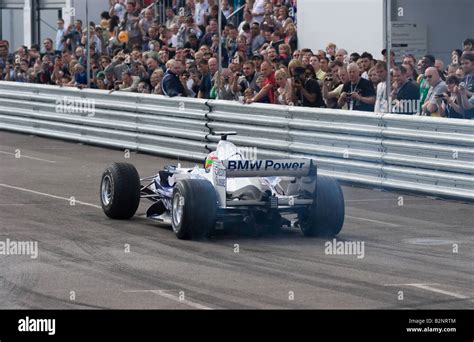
point(303, 170)
point(269, 168)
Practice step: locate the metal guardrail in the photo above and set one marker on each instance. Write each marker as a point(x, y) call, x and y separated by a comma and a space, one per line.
point(164, 126)
point(433, 156)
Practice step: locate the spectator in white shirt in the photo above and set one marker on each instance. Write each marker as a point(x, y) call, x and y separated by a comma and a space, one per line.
point(200, 9)
point(381, 98)
point(59, 45)
point(258, 10)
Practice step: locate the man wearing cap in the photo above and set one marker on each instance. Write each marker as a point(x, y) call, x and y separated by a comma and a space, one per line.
point(257, 60)
point(306, 91)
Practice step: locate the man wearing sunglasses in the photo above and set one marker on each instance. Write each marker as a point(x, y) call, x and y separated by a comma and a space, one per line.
point(437, 89)
point(425, 63)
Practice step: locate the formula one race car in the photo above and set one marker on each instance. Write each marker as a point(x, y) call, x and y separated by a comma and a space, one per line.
point(263, 195)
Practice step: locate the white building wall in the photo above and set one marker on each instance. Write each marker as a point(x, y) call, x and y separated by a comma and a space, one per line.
point(358, 25)
point(355, 25)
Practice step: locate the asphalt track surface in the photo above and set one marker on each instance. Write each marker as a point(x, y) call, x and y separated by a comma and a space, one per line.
point(418, 252)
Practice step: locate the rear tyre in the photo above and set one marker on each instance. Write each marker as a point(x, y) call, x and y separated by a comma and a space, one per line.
point(325, 217)
point(194, 208)
point(120, 191)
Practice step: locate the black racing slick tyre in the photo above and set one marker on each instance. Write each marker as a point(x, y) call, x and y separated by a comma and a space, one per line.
point(120, 191)
point(194, 208)
point(325, 217)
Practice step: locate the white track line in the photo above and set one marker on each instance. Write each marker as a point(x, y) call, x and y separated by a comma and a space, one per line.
point(373, 221)
point(28, 157)
point(384, 199)
point(433, 289)
point(99, 207)
point(429, 287)
point(50, 196)
point(174, 298)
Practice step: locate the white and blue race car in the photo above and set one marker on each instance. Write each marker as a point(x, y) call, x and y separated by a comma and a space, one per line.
point(262, 195)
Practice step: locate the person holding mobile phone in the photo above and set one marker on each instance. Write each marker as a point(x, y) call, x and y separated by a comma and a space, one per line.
point(450, 104)
point(358, 93)
point(437, 87)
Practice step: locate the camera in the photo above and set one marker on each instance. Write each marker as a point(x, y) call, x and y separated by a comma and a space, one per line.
point(462, 85)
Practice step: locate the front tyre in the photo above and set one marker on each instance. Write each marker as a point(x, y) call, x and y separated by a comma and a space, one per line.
point(325, 217)
point(194, 208)
point(120, 191)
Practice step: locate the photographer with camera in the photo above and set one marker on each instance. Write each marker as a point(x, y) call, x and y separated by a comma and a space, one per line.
point(450, 103)
point(306, 91)
point(332, 85)
point(186, 29)
point(224, 85)
point(17, 72)
point(358, 93)
point(437, 88)
point(118, 65)
point(45, 70)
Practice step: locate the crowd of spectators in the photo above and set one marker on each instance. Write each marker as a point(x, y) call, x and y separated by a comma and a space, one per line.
point(132, 50)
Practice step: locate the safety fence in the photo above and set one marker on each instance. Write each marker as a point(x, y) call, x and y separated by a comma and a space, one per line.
point(433, 156)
